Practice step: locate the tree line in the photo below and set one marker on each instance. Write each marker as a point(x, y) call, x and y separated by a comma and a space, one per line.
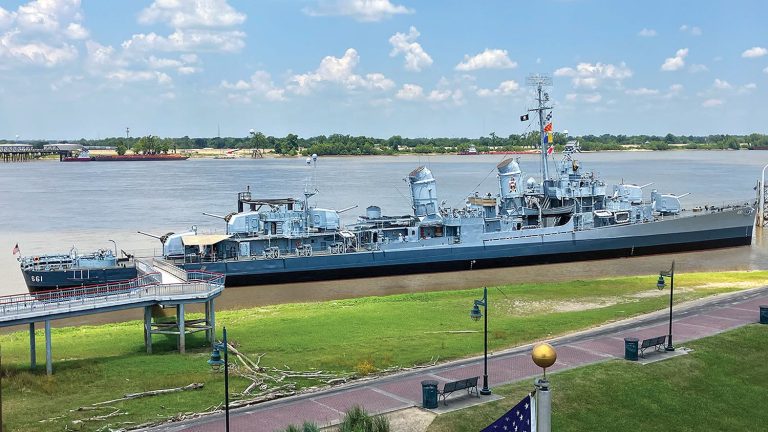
point(340, 144)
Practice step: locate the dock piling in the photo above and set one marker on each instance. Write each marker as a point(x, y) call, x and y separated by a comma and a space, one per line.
point(182, 330)
point(32, 353)
point(48, 354)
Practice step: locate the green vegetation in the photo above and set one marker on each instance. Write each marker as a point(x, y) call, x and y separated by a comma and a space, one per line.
point(356, 419)
point(721, 386)
point(339, 144)
point(99, 363)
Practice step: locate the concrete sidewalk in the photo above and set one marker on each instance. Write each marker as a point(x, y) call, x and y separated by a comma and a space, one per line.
point(693, 320)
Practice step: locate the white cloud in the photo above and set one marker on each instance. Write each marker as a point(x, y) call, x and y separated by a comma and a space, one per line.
point(593, 98)
point(6, 18)
point(128, 76)
point(747, 88)
point(415, 57)
point(410, 92)
point(647, 32)
point(46, 16)
point(587, 75)
point(488, 59)
point(183, 66)
point(340, 71)
point(76, 31)
point(754, 52)
point(361, 10)
point(696, 68)
point(191, 14)
point(721, 84)
point(676, 62)
point(674, 91)
point(188, 40)
point(35, 53)
point(439, 95)
point(260, 85)
point(642, 91)
point(711, 103)
point(691, 30)
point(504, 89)
point(766, 70)
point(37, 31)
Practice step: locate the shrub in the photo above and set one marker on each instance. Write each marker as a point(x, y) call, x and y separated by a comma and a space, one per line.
point(356, 419)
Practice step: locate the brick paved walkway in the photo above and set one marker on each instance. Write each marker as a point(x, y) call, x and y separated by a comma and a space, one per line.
point(691, 321)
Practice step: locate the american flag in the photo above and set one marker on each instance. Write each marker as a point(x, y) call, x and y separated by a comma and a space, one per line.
point(16, 249)
point(521, 418)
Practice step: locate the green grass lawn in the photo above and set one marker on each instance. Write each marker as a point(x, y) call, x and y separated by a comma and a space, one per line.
point(98, 363)
point(721, 386)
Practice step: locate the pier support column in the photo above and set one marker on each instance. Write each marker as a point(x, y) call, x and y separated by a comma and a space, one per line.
point(32, 353)
point(212, 323)
point(208, 320)
point(48, 354)
point(182, 330)
point(148, 328)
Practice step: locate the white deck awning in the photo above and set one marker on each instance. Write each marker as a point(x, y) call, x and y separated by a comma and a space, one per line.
point(203, 239)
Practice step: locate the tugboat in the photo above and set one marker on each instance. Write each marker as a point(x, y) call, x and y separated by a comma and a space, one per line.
point(56, 271)
point(566, 213)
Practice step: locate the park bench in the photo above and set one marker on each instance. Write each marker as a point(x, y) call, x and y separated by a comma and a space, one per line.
point(465, 384)
point(657, 343)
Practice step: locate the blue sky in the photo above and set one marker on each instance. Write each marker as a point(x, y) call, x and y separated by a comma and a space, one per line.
point(72, 69)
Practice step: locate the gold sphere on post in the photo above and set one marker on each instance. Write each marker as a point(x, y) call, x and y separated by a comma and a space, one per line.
point(544, 355)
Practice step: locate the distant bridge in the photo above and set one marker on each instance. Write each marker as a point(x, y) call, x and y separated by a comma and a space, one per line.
point(25, 152)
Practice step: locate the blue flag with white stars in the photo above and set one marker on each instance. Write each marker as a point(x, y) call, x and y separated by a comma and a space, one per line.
point(521, 418)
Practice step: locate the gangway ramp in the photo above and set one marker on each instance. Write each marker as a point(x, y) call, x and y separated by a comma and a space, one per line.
point(144, 291)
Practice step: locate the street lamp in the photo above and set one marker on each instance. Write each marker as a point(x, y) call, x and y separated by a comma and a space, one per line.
point(114, 243)
point(216, 363)
point(660, 285)
point(475, 314)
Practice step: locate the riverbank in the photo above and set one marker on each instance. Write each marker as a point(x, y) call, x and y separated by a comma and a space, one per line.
point(346, 338)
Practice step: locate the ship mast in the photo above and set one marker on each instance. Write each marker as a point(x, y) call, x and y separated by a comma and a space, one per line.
point(539, 81)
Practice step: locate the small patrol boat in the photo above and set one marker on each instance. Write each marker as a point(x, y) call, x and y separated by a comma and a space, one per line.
point(68, 270)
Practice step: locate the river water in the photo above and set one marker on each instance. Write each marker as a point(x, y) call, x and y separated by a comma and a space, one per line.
point(48, 206)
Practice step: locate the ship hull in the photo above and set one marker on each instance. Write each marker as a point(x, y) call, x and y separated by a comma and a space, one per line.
point(41, 280)
point(705, 231)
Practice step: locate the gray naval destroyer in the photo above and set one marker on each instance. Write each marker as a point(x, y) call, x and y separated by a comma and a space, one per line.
point(569, 216)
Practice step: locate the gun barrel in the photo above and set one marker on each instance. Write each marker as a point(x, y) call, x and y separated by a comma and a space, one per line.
point(646, 185)
point(684, 195)
point(213, 215)
point(149, 235)
point(346, 209)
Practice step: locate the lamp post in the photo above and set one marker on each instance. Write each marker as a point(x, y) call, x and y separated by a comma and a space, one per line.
point(475, 314)
point(660, 285)
point(114, 243)
point(216, 363)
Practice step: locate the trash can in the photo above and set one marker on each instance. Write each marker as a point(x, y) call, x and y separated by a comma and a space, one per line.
point(630, 349)
point(429, 394)
point(763, 314)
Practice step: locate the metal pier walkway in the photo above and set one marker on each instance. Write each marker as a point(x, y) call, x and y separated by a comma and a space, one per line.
point(145, 291)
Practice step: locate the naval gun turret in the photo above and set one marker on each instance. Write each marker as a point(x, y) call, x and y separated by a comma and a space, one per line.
point(666, 204)
point(172, 243)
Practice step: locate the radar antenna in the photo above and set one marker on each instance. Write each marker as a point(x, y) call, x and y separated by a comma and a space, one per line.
point(539, 81)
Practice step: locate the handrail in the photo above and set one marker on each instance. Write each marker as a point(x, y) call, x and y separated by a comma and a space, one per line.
point(146, 287)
